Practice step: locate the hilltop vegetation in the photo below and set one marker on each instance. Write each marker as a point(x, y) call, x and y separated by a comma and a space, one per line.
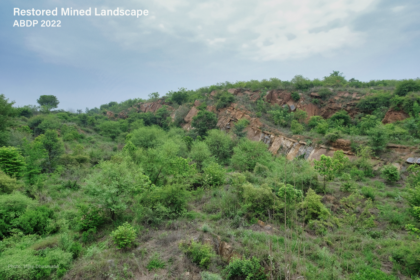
point(123, 191)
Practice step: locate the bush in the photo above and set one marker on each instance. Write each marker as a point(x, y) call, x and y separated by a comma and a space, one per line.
point(155, 263)
point(245, 269)
point(200, 254)
point(124, 236)
point(406, 86)
point(325, 93)
point(369, 273)
point(378, 138)
point(296, 127)
point(11, 161)
point(90, 217)
point(390, 173)
point(368, 193)
point(37, 221)
point(205, 275)
point(341, 117)
point(357, 174)
point(332, 136)
point(147, 137)
point(295, 96)
point(261, 170)
point(224, 99)
point(220, 145)
point(204, 121)
point(247, 154)
point(239, 127)
point(7, 184)
point(214, 175)
point(200, 153)
point(314, 121)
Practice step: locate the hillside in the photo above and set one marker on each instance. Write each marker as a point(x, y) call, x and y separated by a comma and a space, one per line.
point(300, 179)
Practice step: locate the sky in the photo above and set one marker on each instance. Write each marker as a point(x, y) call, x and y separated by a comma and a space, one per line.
point(92, 60)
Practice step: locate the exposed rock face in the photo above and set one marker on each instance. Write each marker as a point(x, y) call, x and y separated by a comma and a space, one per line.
point(393, 116)
point(279, 97)
point(109, 114)
point(342, 144)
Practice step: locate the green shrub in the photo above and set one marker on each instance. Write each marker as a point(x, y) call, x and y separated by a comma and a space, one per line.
point(204, 121)
point(341, 117)
point(357, 174)
point(7, 184)
point(110, 129)
point(37, 221)
point(390, 173)
point(239, 127)
point(124, 236)
point(296, 127)
point(406, 86)
point(406, 260)
point(259, 200)
point(295, 96)
point(261, 170)
point(155, 263)
point(200, 153)
point(220, 145)
point(200, 254)
point(205, 275)
point(245, 269)
point(147, 137)
point(224, 99)
point(378, 138)
point(248, 153)
point(314, 208)
point(11, 161)
point(88, 236)
point(75, 249)
point(369, 273)
point(332, 136)
point(314, 121)
point(89, 217)
point(214, 175)
point(325, 93)
point(372, 102)
point(368, 193)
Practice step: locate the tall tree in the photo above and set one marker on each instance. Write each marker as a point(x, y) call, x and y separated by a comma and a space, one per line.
point(48, 102)
point(6, 113)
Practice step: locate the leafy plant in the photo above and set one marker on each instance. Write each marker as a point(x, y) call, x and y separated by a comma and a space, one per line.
point(155, 263)
point(12, 162)
point(249, 269)
point(200, 254)
point(295, 96)
point(390, 173)
point(124, 236)
point(204, 121)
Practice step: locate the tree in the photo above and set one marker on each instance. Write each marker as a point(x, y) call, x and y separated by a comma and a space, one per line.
point(114, 185)
point(326, 166)
point(6, 113)
point(368, 122)
point(406, 86)
point(300, 83)
point(248, 153)
point(296, 127)
point(335, 79)
point(163, 117)
point(48, 102)
point(341, 117)
point(148, 137)
point(239, 127)
point(110, 129)
point(54, 147)
point(180, 96)
point(378, 138)
point(204, 121)
point(12, 162)
point(200, 153)
point(154, 96)
point(220, 145)
point(35, 157)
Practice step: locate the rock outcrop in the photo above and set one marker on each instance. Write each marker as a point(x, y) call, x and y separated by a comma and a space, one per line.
point(393, 116)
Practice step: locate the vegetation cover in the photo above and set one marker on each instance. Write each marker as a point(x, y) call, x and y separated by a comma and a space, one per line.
point(122, 192)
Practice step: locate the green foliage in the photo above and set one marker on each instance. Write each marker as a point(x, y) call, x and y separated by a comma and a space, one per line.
point(220, 145)
point(36, 221)
point(342, 160)
point(378, 138)
point(179, 97)
point(325, 93)
point(124, 236)
point(200, 254)
point(341, 117)
point(295, 96)
point(281, 115)
point(155, 263)
point(405, 259)
point(327, 167)
point(113, 185)
point(357, 212)
point(368, 122)
point(300, 83)
point(239, 127)
point(6, 114)
point(11, 208)
point(204, 121)
point(314, 121)
point(259, 200)
point(53, 146)
point(153, 96)
point(224, 99)
point(12, 162)
point(110, 129)
point(247, 154)
point(289, 194)
point(147, 137)
point(214, 175)
point(407, 86)
point(200, 153)
point(313, 207)
point(335, 79)
point(369, 273)
point(48, 101)
point(205, 275)
point(390, 173)
point(296, 127)
point(89, 217)
point(7, 184)
point(249, 269)
point(375, 101)
point(368, 192)
point(261, 170)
